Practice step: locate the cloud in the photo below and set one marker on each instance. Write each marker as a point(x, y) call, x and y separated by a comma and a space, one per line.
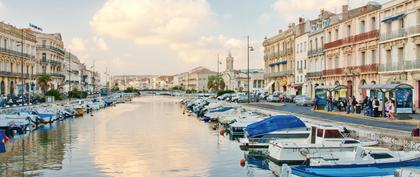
point(77, 45)
point(153, 21)
point(291, 10)
point(185, 27)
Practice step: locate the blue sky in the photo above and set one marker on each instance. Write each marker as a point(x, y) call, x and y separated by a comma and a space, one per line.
point(162, 36)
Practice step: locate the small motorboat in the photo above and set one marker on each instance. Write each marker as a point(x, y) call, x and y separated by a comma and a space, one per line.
point(358, 163)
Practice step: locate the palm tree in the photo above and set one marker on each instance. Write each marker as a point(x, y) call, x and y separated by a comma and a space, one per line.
point(43, 82)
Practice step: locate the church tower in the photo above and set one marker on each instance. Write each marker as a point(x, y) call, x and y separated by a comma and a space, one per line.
point(229, 62)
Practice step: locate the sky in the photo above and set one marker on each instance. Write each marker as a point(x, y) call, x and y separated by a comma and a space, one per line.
point(163, 37)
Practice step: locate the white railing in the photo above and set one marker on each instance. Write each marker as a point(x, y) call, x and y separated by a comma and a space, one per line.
point(399, 66)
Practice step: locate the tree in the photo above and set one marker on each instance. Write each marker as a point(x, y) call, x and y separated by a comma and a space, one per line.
point(215, 83)
point(43, 82)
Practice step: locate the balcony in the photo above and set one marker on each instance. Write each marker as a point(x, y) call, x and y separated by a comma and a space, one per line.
point(362, 69)
point(300, 71)
point(400, 66)
point(314, 74)
point(45, 61)
point(393, 34)
point(59, 75)
point(52, 48)
point(15, 53)
point(13, 74)
point(277, 74)
point(315, 52)
point(352, 39)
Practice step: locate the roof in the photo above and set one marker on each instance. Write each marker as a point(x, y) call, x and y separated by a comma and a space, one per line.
point(386, 87)
point(331, 87)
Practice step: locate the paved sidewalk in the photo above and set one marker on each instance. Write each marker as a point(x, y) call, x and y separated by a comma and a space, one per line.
point(342, 118)
point(361, 116)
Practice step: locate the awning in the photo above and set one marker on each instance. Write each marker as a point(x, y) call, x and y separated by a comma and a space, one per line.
point(331, 87)
point(390, 19)
point(277, 63)
point(386, 87)
point(268, 85)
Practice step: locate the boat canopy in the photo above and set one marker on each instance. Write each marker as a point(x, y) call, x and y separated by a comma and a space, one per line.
point(221, 109)
point(274, 123)
point(386, 87)
point(331, 87)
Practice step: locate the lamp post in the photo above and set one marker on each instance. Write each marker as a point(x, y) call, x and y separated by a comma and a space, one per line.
point(248, 49)
point(21, 64)
point(218, 79)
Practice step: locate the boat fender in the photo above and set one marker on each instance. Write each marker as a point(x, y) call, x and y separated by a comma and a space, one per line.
point(242, 162)
point(222, 131)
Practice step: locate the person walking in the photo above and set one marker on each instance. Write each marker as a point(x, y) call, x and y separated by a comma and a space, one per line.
point(315, 103)
point(392, 110)
point(353, 104)
point(375, 107)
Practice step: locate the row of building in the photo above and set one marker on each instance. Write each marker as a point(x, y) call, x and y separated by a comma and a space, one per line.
point(25, 54)
point(372, 44)
point(195, 79)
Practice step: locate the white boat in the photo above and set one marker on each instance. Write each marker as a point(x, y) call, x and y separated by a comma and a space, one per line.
point(360, 162)
point(321, 139)
point(283, 128)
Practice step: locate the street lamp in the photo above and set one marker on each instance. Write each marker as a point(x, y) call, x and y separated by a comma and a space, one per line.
point(248, 49)
point(21, 63)
point(218, 79)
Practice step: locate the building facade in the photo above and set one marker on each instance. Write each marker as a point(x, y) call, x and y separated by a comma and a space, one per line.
point(301, 56)
point(197, 78)
point(17, 61)
point(316, 59)
point(73, 72)
point(50, 54)
point(400, 44)
point(279, 64)
point(351, 50)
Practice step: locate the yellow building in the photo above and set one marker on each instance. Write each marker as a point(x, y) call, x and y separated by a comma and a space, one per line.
point(279, 62)
point(50, 54)
point(17, 61)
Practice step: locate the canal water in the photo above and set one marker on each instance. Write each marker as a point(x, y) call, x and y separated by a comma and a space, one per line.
point(148, 137)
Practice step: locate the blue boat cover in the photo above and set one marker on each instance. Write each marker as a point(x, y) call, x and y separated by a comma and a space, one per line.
point(274, 123)
point(222, 109)
point(2, 146)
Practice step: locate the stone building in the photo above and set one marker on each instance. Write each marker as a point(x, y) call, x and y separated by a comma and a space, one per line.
point(400, 44)
point(279, 65)
point(351, 50)
point(17, 61)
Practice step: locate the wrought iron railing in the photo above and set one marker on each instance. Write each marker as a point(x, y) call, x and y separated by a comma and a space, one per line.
point(400, 66)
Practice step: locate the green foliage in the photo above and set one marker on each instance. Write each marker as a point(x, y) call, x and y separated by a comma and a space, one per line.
point(55, 93)
point(177, 88)
point(77, 94)
point(115, 89)
point(131, 90)
point(191, 91)
point(215, 83)
point(43, 82)
point(224, 91)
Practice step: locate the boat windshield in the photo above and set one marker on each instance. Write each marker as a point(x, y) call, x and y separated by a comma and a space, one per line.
point(333, 134)
point(380, 155)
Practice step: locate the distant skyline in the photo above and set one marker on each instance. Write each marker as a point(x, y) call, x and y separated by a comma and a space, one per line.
point(163, 37)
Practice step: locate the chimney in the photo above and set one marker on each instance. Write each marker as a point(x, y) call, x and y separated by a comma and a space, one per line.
point(301, 20)
point(345, 11)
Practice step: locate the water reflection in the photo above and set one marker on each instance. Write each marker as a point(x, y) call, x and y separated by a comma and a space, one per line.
point(146, 138)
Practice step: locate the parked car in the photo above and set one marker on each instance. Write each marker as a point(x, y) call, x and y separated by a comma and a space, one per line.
point(304, 101)
point(273, 98)
point(289, 98)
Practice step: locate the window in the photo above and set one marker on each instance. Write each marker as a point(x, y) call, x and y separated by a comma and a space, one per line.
point(322, 42)
point(400, 55)
point(402, 23)
point(418, 51)
point(363, 56)
point(373, 59)
point(310, 45)
point(304, 66)
point(348, 30)
point(329, 36)
point(320, 133)
point(304, 47)
point(362, 26)
point(336, 62)
point(373, 23)
point(316, 43)
point(388, 57)
point(336, 34)
point(380, 155)
point(333, 134)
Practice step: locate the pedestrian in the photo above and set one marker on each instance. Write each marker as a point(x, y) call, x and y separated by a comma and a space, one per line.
point(380, 108)
point(315, 103)
point(392, 110)
point(353, 104)
point(375, 105)
point(387, 107)
point(330, 104)
point(349, 102)
point(369, 107)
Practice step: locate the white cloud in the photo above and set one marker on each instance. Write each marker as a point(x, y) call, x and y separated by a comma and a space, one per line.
point(77, 45)
point(99, 43)
point(185, 27)
point(291, 10)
